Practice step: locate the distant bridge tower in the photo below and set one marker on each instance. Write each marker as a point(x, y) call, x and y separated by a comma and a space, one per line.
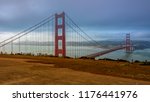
point(129, 47)
point(60, 36)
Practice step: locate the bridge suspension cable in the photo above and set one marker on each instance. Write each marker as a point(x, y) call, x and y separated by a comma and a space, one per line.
point(35, 40)
point(28, 30)
point(76, 26)
point(39, 39)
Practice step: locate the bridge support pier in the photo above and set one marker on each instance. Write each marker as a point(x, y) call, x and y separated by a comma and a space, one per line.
point(60, 36)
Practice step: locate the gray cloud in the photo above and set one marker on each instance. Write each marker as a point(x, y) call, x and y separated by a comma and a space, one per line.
point(102, 15)
point(17, 14)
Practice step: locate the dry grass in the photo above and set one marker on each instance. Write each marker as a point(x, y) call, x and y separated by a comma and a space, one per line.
point(44, 70)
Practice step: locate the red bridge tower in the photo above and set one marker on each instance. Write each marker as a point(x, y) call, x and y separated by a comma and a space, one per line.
point(60, 41)
point(129, 47)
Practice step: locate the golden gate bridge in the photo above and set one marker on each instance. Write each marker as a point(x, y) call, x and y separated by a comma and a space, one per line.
point(57, 35)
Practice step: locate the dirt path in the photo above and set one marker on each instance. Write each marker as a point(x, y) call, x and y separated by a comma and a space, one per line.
point(22, 71)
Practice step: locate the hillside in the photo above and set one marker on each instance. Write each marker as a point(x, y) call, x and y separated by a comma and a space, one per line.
point(64, 71)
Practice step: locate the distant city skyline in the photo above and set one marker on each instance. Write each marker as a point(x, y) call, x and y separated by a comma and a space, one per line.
point(101, 19)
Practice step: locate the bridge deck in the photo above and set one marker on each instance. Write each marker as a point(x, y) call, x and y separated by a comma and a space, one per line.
point(105, 52)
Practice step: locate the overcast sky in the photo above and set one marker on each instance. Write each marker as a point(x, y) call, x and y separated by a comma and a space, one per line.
point(102, 19)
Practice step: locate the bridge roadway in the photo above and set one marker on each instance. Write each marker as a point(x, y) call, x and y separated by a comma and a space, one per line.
point(105, 52)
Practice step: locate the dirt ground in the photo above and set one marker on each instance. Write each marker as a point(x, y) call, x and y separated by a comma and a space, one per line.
point(29, 70)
